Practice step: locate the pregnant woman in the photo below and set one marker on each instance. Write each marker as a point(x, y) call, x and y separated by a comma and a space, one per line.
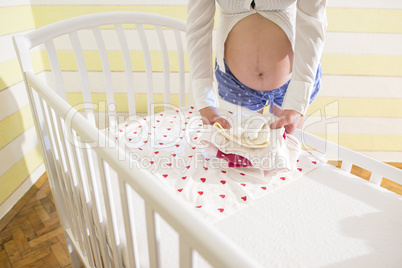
point(267, 54)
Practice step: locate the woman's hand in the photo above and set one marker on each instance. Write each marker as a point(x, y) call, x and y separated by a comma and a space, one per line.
point(211, 115)
point(289, 119)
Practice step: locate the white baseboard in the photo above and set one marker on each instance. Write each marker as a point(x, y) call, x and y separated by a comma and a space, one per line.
point(9, 203)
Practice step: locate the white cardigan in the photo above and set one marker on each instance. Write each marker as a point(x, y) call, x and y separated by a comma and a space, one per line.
point(303, 21)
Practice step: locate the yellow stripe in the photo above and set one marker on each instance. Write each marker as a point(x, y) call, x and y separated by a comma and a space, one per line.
point(364, 20)
point(358, 107)
point(57, 13)
point(93, 62)
point(16, 175)
point(11, 73)
point(15, 125)
point(362, 65)
point(331, 64)
point(16, 19)
point(99, 99)
point(366, 142)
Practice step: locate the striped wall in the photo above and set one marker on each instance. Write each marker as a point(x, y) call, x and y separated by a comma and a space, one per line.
point(360, 105)
point(20, 157)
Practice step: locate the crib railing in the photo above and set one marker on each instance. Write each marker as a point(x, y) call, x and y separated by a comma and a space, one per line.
point(94, 43)
point(98, 198)
point(379, 170)
point(90, 184)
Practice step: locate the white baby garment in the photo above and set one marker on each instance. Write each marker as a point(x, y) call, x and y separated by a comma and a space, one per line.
point(264, 148)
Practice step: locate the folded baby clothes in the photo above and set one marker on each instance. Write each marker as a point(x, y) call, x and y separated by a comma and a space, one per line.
point(251, 143)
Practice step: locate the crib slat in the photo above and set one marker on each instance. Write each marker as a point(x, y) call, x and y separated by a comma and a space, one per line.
point(54, 182)
point(84, 214)
point(346, 166)
point(180, 52)
point(94, 256)
point(89, 163)
point(70, 180)
point(55, 176)
point(128, 69)
point(148, 66)
point(65, 192)
point(376, 178)
point(165, 58)
point(106, 73)
point(107, 202)
point(129, 229)
point(83, 72)
point(56, 69)
point(185, 254)
point(152, 235)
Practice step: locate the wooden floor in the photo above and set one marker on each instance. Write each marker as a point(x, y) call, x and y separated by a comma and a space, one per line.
point(34, 238)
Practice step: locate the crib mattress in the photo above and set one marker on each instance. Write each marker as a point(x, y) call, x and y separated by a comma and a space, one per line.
point(323, 218)
point(327, 218)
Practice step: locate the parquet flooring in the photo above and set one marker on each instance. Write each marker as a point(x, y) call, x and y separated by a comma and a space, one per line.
point(34, 238)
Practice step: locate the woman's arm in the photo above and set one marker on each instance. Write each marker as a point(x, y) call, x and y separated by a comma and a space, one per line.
point(200, 25)
point(310, 32)
point(311, 24)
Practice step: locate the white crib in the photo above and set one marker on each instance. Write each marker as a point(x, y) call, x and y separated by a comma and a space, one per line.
point(92, 186)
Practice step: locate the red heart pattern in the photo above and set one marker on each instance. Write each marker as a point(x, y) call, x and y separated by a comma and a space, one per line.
point(224, 198)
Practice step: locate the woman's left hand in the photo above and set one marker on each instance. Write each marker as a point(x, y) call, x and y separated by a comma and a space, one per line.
point(289, 119)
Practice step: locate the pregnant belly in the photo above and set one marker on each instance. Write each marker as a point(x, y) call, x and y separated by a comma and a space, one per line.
point(259, 53)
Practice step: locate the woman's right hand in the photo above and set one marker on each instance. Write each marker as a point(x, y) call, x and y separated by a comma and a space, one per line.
point(210, 115)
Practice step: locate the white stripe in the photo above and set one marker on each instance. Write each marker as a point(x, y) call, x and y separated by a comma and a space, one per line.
point(361, 86)
point(72, 82)
point(12, 100)
point(363, 43)
point(353, 125)
point(17, 149)
point(8, 204)
point(386, 4)
point(108, 2)
point(7, 51)
point(14, 3)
